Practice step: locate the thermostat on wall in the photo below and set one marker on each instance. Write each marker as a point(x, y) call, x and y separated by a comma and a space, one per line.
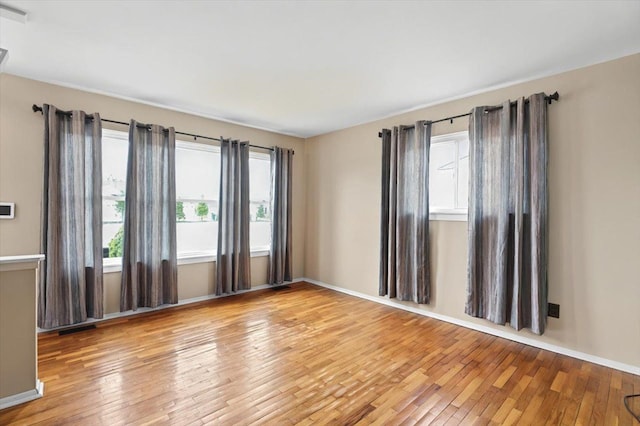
point(7, 210)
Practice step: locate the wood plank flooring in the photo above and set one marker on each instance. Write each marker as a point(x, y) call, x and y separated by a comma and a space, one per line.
point(308, 355)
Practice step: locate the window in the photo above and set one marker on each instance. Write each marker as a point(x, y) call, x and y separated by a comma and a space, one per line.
point(115, 148)
point(449, 176)
point(197, 189)
point(260, 200)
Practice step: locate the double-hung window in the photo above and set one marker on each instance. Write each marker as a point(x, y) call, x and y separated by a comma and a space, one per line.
point(449, 176)
point(197, 193)
point(260, 201)
point(115, 148)
point(197, 189)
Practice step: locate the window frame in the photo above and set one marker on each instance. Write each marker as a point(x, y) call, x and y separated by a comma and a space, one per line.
point(186, 257)
point(262, 156)
point(114, 264)
point(455, 214)
point(109, 263)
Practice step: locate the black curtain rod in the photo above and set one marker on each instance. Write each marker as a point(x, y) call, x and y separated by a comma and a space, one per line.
point(554, 97)
point(39, 109)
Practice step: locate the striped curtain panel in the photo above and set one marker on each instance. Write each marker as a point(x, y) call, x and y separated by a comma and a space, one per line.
point(233, 268)
point(404, 230)
point(507, 264)
point(70, 278)
point(149, 263)
point(280, 253)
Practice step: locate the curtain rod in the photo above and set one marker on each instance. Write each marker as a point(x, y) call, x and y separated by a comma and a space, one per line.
point(554, 97)
point(39, 109)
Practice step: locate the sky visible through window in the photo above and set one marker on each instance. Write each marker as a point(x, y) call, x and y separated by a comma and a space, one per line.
point(449, 172)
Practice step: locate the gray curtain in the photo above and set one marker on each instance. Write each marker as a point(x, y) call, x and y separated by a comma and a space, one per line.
point(70, 285)
point(233, 268)
point(404, 230)
point(507, 264)
point(149, 264)
point(281, 218)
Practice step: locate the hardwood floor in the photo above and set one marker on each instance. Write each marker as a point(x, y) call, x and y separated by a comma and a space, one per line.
point(308, 355)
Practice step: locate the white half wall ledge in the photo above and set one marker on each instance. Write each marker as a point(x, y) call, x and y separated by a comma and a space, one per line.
point(21, 398)
point(18, 263)
point(25, 258)
point(633, 369)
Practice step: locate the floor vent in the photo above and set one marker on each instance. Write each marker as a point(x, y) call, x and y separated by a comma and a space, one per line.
point(76, 329)
point(281, 287)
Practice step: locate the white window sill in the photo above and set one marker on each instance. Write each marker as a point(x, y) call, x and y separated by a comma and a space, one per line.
point(449, 215)
point(114, 264)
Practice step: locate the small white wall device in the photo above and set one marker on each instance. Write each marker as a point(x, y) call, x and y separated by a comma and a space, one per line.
point(7, 210)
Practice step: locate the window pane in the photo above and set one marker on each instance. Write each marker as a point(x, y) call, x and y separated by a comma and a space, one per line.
point(112, 221)
point(196, 236)
point(463, 174)
point(260, 234)
point(197, 187)
point(115, 147)
point(260, 199)
point(197, 174)
point(260, 186)
point(442, 158)
point(114, 163)
point(113, 210)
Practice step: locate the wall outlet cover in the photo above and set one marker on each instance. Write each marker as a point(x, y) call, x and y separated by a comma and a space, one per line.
point(554, 310)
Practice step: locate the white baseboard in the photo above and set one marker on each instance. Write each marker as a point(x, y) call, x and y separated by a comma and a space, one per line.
point(159, 308)
point(21, 398)
point(633, 369)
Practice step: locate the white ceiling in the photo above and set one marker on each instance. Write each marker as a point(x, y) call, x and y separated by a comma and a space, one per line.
point(307, 68)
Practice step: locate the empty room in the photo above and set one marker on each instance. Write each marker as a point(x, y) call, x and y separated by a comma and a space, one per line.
point(319, 212)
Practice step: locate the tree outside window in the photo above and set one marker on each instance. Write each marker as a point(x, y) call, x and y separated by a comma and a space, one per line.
point(262, 212)
point(202, 210)
point(180, 211)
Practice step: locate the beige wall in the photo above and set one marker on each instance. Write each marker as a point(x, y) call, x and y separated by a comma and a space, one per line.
point(594, 177)
point(21, 141)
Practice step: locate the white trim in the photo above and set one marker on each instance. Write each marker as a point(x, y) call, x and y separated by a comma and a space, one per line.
point(204, 257)
point(111, 264)
point(259, 155)
point(159, 308)
point(114, 264)
point(451, 216)
point(25, 258)
point(450, 137)
point(197, 146)
point(21, 398)
point(188, 259)
point(633, 369)
point(20, 263)
point(115, 134)
point(260, 252)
